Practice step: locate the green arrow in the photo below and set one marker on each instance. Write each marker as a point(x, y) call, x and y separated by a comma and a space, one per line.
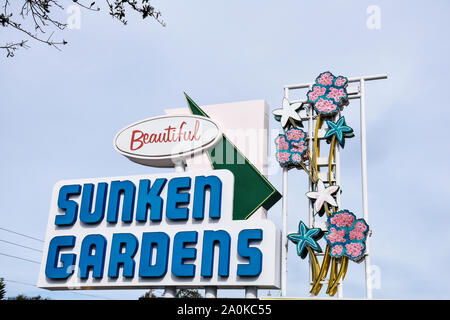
point(251, 189)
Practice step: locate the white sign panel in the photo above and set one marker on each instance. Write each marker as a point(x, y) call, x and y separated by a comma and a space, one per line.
point(155, 231)
point(162, 141)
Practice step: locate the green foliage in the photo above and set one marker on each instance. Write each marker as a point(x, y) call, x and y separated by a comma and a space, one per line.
point(188, 293)
point(24, 297)
point(181, 293)
point(148, 295)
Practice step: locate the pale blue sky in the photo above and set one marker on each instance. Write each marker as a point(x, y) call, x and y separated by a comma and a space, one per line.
point(59, 112)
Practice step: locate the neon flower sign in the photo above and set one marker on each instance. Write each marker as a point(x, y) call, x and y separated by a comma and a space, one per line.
point(328, 94)
point(345, 235)
point(292, 147)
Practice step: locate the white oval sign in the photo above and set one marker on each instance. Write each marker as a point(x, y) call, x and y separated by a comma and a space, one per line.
point(163, 141)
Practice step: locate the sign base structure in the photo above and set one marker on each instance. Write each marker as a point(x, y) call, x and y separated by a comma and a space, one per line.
point(156, 231)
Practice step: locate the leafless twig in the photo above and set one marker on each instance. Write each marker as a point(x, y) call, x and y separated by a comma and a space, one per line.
point(40, 13)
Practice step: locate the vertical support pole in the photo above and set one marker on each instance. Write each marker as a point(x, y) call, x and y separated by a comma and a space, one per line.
point(337, 177)
point(311, 143)
point(340, 291)
point(170, 292)
point(180, 166)
point(337, 169)
point(284, 249)
point(211, 292)
point(284, 243)
point(364, 184)
point(311, 185)
point(251, 292)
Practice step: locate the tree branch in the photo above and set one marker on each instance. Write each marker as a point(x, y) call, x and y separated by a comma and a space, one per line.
point(13, 46)
point(39, 12)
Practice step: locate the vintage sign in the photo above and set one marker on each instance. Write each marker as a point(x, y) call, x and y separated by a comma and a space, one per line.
point(172, 229)
point(162, 141)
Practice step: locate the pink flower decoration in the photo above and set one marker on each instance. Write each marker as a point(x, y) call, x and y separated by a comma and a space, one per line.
point(342, 220)
point(283, 157)
point(348, 234)
point(291, 147)
point(336, 235)
point(356, 235)
point(316, 92)
point(360, 226)
point(328, 94)
point(325, 79)
point(326, 106)
point(354, 249)
point(298, 146)
point(282, 144)
point(295, 134)
point(296, 158)
point(340, 81)
point(337, 250)
point(336, 94)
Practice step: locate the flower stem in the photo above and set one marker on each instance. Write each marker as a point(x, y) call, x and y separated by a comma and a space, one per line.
point(308, 172)
point(314, 262)
point(334, 279)
point(327, 209)
point(314, 175)
point(332, 273)
point(332, 286)
point(317, 286)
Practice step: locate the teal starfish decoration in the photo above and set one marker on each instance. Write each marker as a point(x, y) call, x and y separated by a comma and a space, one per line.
point(306, 238)
point(340, 130)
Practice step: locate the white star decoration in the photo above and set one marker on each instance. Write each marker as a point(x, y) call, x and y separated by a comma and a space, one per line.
point(288, 113)
point(323, 195)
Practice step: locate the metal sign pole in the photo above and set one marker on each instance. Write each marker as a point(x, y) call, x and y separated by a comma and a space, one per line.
point(284, 247)
point(251, 292)
point(284, 243)
point(211, 292)
point(364, 183)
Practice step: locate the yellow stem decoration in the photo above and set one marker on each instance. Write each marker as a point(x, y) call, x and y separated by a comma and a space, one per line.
point(313, 175)
point(332, 274)
point(332, 292)
point(319, 274)
point(310, 174)
point(317, 286)
point(332, 287)
point(327, 209)
point(315, 268)
point(345, 270)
